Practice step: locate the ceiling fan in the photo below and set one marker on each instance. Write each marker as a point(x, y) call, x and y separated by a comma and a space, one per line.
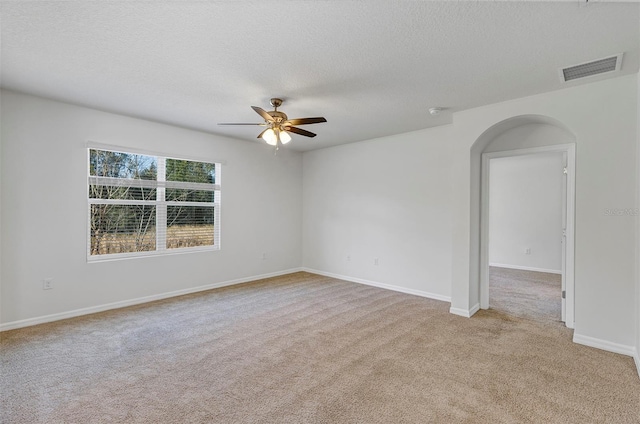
point(279, 125)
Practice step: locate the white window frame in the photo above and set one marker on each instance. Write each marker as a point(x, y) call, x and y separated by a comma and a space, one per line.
point(160, 203)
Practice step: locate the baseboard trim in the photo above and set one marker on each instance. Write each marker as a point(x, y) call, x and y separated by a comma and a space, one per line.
point(380, 285)
point(467, 313)
point(12, 325)
point(605, 345)
point(526, 268)
point(636, 358)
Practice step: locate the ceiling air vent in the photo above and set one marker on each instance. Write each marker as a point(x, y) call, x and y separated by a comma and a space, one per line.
point(589, 69)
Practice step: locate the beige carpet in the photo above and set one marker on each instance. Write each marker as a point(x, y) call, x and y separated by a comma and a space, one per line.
point(309, 349)
point(526, 294)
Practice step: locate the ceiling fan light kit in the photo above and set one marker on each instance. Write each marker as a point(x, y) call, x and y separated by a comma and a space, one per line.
point(271, 137)
point(279, 125)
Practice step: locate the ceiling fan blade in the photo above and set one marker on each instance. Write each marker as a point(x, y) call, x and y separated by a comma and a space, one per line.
point(260, 135)
point(263, 113)
point(305, 121)
point(240, 123)
point(300, 131)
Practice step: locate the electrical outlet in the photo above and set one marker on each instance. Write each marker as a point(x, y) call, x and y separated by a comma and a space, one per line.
point(348, 258)
point(376, 261)
point(264, 256)
point(47, 284)
point(527, 251)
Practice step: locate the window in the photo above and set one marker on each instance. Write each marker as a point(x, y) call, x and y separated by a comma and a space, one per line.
point(142, 205)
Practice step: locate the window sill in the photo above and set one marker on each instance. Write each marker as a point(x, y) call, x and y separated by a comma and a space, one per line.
point(154, 254)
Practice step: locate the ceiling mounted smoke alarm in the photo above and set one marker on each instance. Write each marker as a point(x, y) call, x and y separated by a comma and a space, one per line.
point(435, 111)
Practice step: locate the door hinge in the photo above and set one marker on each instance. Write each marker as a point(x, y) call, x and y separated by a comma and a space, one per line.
point(564, 294)
point(565, 171)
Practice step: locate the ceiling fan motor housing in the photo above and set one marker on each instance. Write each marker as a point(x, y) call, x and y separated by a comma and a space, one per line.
point(278, 116)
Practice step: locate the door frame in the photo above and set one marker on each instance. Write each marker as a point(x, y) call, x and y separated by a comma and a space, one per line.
point(568, 245)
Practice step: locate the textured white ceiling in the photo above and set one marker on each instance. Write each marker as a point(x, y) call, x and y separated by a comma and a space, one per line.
point(372, 68)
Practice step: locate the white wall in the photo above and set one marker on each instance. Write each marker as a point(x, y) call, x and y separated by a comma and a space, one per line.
point(637, 355)
point(525, 212)
point(44, 210)
point(389, 199)
point(1, 234)
point(605, 259)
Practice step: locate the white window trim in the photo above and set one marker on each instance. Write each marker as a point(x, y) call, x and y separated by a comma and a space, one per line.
point(161, 204)
point(124, 149)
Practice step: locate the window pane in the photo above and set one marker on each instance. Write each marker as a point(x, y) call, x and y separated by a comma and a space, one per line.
point(122, 229)
point(103, 163)
point(186, 195)
point(189, 226)
point(123, 193)
point(190, 172)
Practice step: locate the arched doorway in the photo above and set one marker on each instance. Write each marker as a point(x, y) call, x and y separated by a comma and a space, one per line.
point(522, 135)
